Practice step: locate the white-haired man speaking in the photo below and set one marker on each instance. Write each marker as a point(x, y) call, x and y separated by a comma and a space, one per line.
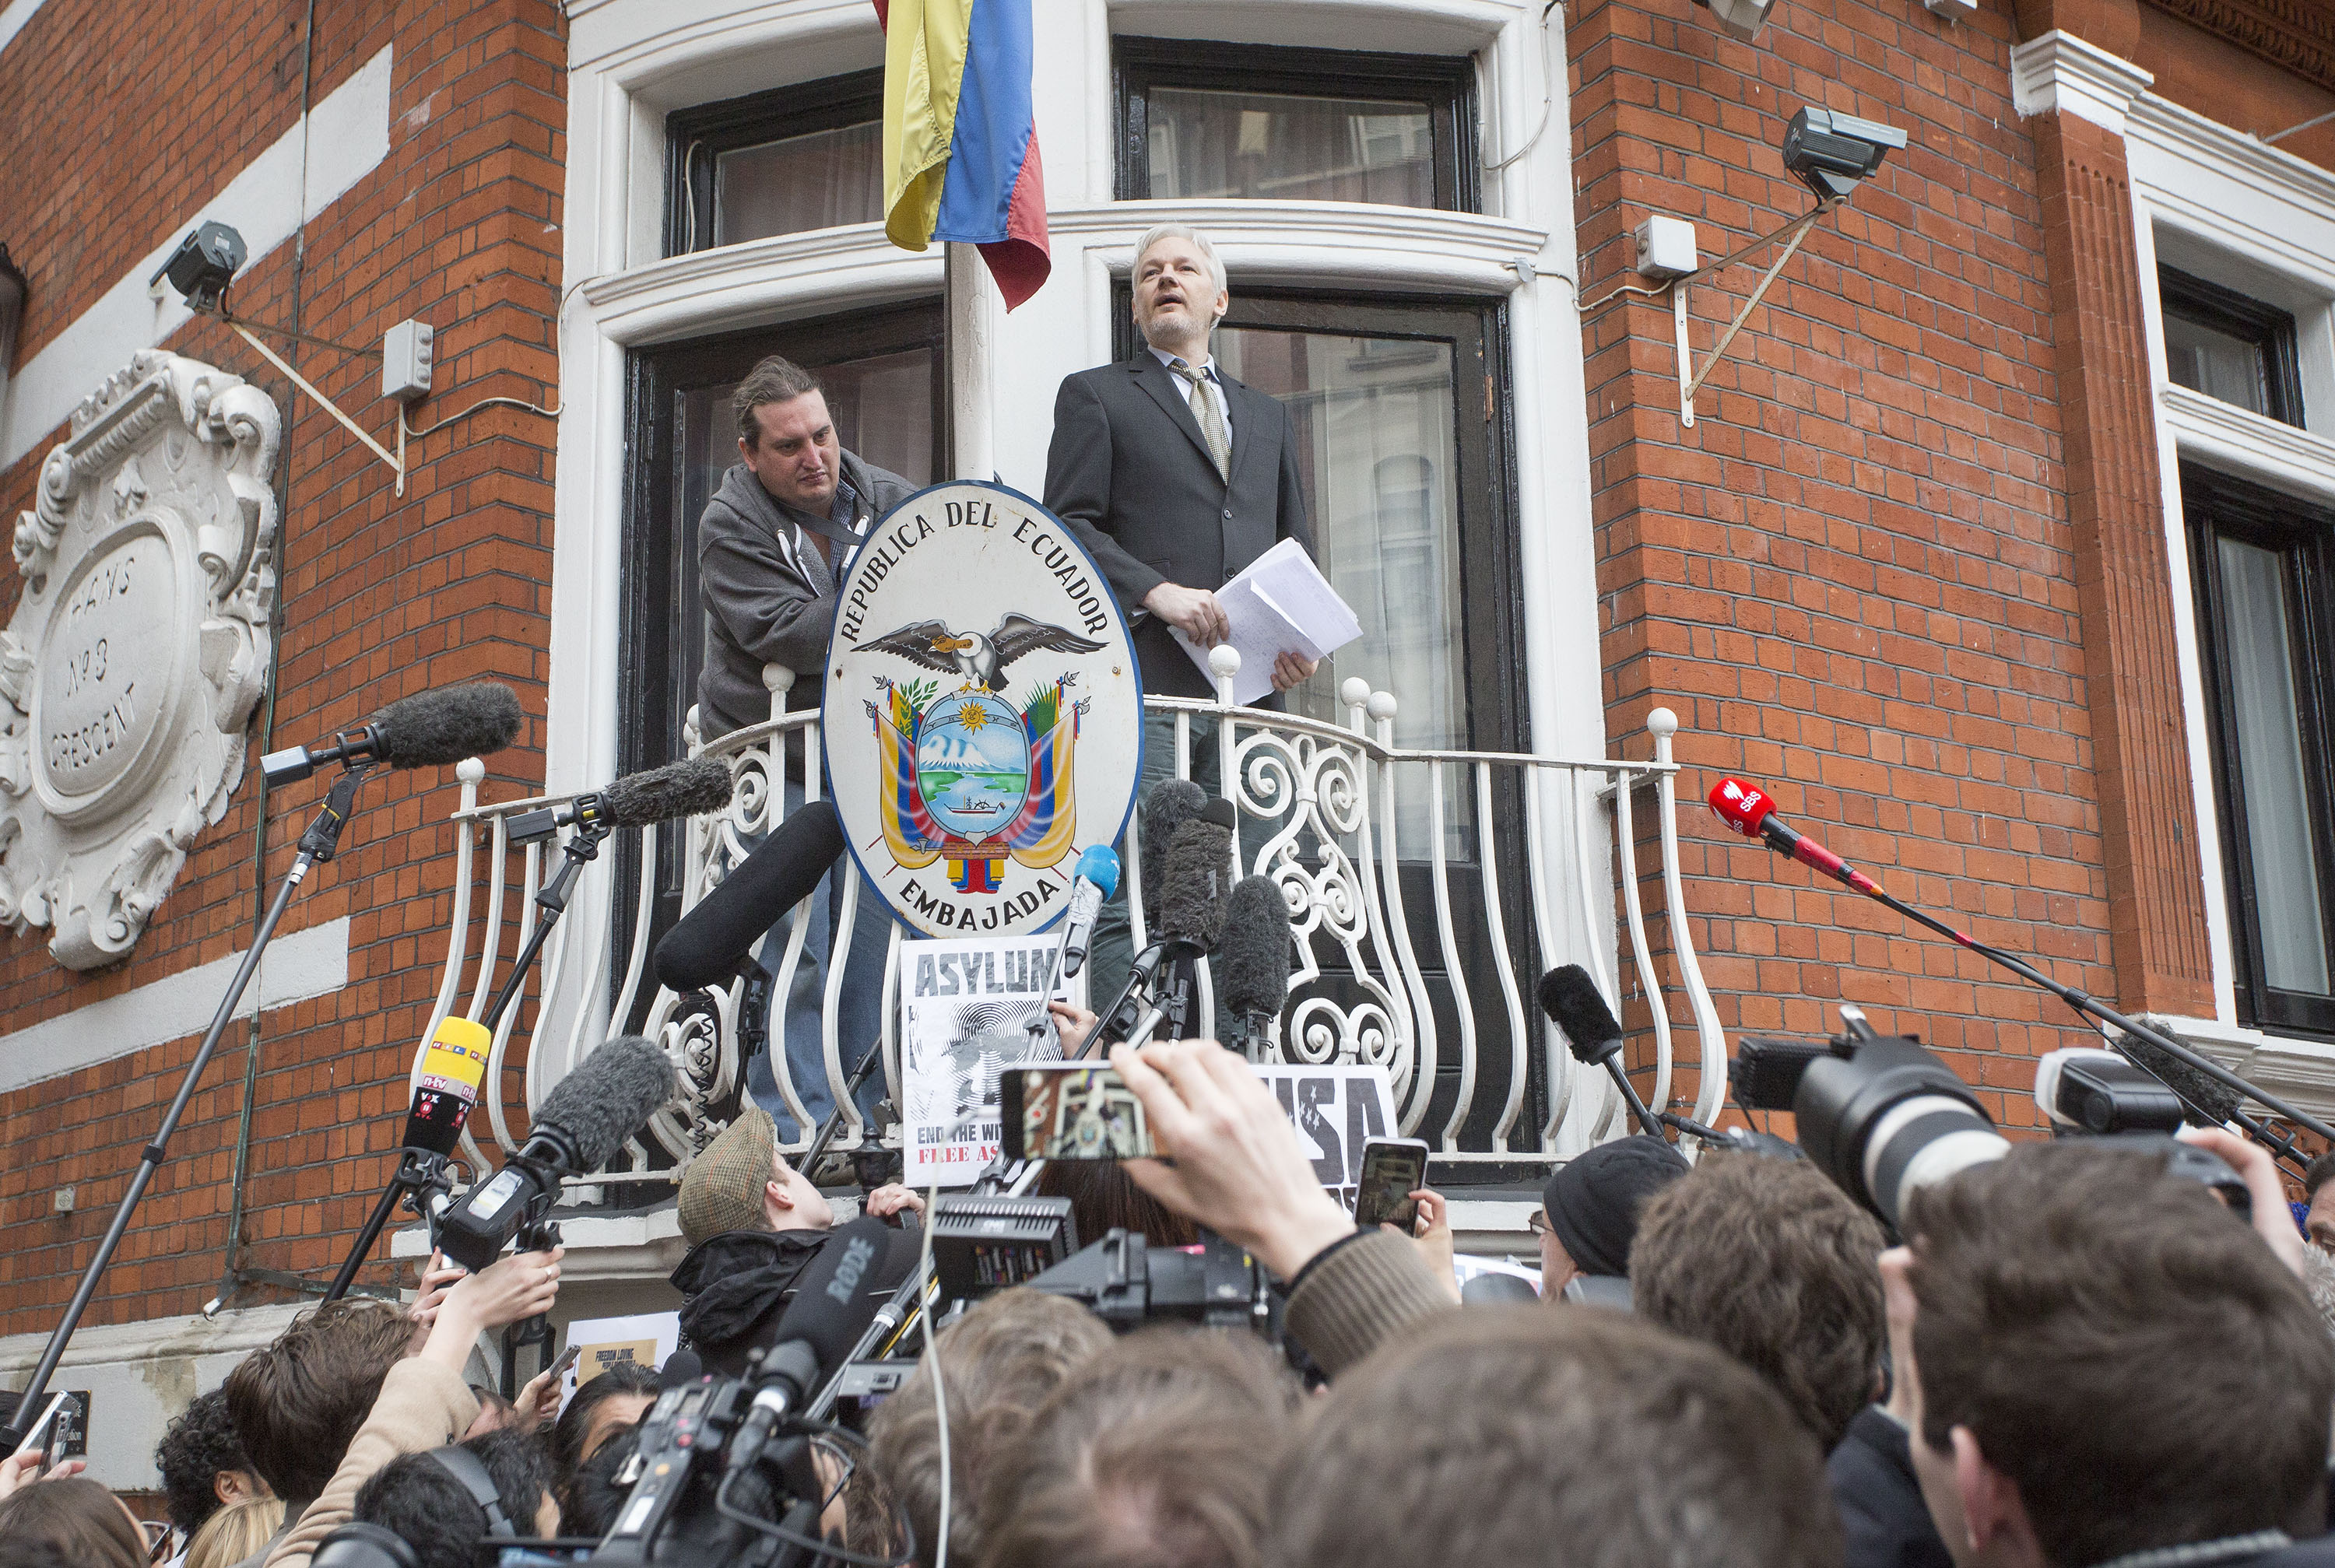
point(1176, 476)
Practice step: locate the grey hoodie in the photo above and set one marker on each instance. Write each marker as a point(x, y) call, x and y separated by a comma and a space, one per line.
point(769, 598)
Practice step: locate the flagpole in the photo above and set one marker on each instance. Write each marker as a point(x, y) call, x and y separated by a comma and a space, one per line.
point(973, 305)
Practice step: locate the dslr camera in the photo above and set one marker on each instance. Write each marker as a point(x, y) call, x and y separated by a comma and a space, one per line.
point(1883, 1117)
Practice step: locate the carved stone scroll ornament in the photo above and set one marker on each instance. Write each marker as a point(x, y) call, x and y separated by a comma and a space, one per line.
point(138, 651)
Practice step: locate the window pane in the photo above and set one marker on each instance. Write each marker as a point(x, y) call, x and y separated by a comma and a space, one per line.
point(1375, 444)
point(820, 180)
point(2270, 761)
point(1288, 148)
point(2217, 363)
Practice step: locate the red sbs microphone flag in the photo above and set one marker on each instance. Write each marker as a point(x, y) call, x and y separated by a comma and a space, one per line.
point(1741, 805)
point(1747, 808)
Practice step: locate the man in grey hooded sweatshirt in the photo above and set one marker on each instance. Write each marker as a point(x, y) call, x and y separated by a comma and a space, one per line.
point(769, 547)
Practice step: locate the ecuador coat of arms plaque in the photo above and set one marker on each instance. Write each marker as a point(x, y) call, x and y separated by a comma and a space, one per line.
point(984, 721)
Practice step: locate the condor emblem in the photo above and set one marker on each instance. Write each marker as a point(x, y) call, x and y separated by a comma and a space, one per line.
point(984, 720)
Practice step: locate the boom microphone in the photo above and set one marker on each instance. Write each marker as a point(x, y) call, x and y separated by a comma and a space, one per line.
point(1254, 958)
point(1171, 803)
point(2203, 1095)
point(693, 788)
point(427, 730)
point(1591, 1033)
point(1747, 808)
point(585, 1120)
point(821, 1326)
point(710, 942)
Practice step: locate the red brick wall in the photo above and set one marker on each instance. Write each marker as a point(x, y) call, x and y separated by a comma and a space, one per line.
point(1853, 579)
point(121, 130)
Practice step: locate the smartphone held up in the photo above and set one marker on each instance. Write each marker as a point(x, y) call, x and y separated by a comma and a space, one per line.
point(1072, 1110)
point(1392, 1169)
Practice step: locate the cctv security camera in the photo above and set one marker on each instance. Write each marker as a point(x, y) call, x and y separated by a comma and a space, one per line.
point(1831, 152)
point(204, 264)
point(1740, 18)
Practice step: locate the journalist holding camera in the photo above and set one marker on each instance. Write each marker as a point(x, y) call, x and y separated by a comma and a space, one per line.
point(1908, 1341)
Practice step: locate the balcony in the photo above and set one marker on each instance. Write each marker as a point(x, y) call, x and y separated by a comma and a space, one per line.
point(1417, 948)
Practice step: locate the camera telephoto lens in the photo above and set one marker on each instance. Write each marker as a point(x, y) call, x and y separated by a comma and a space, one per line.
point(1889, 1119)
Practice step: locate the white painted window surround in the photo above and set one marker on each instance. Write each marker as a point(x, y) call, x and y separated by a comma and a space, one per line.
point(632, 61)
point(2219, 204)
point(12, 17)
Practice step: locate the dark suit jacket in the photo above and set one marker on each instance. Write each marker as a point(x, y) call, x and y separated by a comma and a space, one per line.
point(1131, 475)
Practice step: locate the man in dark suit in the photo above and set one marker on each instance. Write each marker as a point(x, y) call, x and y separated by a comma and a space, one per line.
point(1176, 476)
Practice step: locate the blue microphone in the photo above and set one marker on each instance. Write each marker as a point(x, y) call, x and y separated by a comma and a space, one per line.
point(1097, 880)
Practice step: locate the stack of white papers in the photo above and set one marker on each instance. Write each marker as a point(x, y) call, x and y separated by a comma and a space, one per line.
point(1281, 604)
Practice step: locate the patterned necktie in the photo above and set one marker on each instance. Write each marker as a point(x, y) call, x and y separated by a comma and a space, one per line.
point(1211, 418)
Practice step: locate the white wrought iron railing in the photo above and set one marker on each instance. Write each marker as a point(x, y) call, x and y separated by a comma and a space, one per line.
point(1378, 979)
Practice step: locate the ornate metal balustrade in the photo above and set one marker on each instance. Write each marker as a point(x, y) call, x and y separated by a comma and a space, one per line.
point(1411, 956)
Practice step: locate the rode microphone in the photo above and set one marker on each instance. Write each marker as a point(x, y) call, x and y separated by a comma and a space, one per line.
point(1097, 880)
point(695, 788)
point(1747, 808)
point(829, 1313)
point(586, 1119)
point(451, 1070)
point(429, 730)
point(708, 944)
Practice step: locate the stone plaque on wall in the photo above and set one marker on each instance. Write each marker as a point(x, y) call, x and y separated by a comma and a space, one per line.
point(138, 651)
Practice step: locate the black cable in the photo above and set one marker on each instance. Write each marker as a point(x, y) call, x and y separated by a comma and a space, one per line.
point(724, 1506)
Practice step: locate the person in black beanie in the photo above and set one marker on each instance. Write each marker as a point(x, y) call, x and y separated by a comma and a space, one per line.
point(1589, 1210)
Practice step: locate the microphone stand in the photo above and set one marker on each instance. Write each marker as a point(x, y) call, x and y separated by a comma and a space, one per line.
point(317, 845)
point(422, 1173)
point(1136, 1013)
point(1608, 1055)
point(2086, 1006)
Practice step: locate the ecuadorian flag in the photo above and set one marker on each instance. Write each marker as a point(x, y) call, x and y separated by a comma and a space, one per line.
point(960, 145)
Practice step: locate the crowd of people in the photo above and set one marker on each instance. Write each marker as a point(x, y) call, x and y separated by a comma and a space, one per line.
point(2074, 1359)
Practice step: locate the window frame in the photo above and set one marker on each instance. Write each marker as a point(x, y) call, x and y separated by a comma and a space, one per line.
point(695, 138)
point(1447, 82)
point(2216, 504)
point(1491, 582)
point(1492, 610)
point(658, 602)
point(2186, 297)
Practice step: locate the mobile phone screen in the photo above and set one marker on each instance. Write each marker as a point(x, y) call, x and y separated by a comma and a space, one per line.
point(1070, 1110)
point(1391, 1171)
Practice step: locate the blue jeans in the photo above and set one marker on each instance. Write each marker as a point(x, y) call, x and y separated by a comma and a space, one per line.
point(860, 1004)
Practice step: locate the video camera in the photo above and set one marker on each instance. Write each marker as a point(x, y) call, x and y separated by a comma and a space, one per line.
point(1883, 1117)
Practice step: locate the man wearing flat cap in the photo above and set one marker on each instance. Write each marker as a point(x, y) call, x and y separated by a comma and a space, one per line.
point(755, 1223)
point(1589, 1213)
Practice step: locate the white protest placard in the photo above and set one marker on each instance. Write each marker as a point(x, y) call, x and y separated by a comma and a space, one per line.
point(645, 1340)
point(968, 1008)
point(1335, 1110)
